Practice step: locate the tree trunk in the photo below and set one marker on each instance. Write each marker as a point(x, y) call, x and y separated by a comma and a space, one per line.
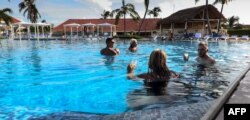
point(124, 17)
point(124, 24)
point(208, 23)
point(218, 30)
point(142, 21)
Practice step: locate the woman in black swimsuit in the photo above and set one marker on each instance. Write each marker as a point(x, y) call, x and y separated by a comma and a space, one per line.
point(158, 73)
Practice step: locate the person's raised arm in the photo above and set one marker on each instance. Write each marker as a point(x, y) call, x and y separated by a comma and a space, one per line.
point(130, 71)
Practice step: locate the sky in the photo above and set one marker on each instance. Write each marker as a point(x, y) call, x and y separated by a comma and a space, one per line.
point(58, 11)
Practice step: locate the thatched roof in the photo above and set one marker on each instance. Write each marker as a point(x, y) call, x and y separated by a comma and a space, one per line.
point(190, 14)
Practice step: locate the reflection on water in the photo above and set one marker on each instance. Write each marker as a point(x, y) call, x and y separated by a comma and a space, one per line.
point(108, 60)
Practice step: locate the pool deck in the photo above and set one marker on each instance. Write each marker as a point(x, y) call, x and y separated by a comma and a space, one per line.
point(240, 96)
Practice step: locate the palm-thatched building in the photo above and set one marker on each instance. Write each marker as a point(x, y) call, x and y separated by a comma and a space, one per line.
point(192, 20)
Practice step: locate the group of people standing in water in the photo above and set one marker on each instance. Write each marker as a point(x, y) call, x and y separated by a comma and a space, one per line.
point(158, 71)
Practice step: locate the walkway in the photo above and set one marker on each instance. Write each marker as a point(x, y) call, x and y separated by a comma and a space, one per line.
point(241, 95)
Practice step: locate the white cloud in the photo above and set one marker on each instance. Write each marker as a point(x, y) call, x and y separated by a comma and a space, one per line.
point(103, 4)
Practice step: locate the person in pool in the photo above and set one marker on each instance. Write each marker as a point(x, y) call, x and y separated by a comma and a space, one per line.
point(109, 50)
point(158, 73)
point(133, 45)
point(203, 57)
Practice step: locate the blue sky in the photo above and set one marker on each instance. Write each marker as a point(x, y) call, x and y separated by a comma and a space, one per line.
point(57, 11)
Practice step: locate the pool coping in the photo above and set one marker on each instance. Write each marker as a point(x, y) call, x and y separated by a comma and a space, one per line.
point(214, 110)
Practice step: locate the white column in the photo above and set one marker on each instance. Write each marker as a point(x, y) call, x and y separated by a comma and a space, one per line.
point(185, 25)
point(161, 30)
point(111, 34)
point(43, 31)
point(71, 32)
point(38, 33)
point(64, 28)
point(35, 31)
point(77, 31)
point(29, 32)
point(97, 27)
point(50, 31)
point(81, 32)
point(8, 32)
point(20, 37)
point(218, 25)
point(12, 32)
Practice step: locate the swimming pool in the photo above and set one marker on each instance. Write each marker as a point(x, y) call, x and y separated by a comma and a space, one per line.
point(39, 78)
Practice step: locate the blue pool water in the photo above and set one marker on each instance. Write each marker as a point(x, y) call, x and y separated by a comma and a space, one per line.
point(39, 78)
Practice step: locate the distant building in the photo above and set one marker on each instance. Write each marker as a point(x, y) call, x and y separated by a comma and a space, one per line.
point(4, 28)
point(132, 26)
point(193, 20)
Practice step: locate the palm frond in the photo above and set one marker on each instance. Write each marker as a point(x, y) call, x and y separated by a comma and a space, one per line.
point(117, 17)
point(4, 15)
point(134, 15)
point(21, 6)
point(7, 10)
point(129, 6)
point(196, 1)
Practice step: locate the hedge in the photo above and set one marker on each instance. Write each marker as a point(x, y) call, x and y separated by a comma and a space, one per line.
point(128, 36)
point(239, 32)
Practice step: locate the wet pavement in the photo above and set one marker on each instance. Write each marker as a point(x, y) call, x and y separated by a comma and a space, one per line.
point(241, 95)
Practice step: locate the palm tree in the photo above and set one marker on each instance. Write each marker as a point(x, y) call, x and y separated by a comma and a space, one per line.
point(146, 4)
point(106, 14)
point(207, 16)
point(223, 2)
point(125, 9)
point(30, 9)
point(155, 12)
point(4, 15)
point(233, 21)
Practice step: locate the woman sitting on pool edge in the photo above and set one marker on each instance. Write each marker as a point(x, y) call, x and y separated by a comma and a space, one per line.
point(158, 73)
point(133, 45)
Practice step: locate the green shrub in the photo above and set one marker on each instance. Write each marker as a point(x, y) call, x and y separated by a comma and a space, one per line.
point(239, 32)
point(128, 36)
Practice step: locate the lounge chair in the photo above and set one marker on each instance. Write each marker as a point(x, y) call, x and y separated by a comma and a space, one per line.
point(223, 37)
point(244, 37)
point(233, 37)
point(197, 36)
point(207, 37)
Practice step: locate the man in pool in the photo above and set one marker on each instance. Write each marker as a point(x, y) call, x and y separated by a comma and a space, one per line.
point(109, 50)
point(203, 57)
point(133, 45)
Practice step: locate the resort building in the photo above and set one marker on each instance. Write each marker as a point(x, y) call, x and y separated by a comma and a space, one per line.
point(106, 26)
point(193, 20)
point(24, 30)
point(4, 29)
